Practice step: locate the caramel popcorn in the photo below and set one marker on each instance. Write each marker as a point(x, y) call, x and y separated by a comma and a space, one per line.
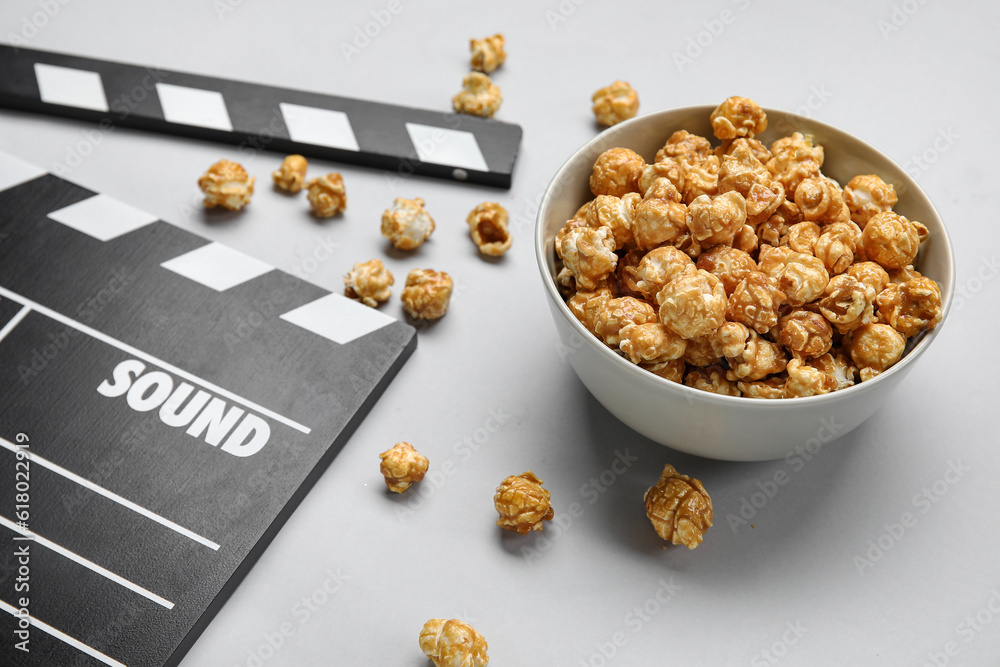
point(847, 303)
point(794, 159)
point(480, 97)
point(487, 53)
point(746, 239)
point(407, 224)
point(667, 168)
point(291, 176)
point(682, 145)
point(226, 185)
point(890, 240)
point(616, 172)
point(668, 370)
point(802, 236)
point(369, 282)
point(402, 466)
point(801, 277)
point(586, 306)
point(758, 359)
point(867, 195)
point(756, 148)
point(659, 221)
point(700, 178)
point(615, 213)
point(626, 275)
point(776, 229)
point(755, 303)
point(911, 307)
point(619, 313)
point(692, 304)
point(743, 173)
point(679, 508)
point(729, 264)
point(875, 347)
point(705, 351)
point(837, 246)
point(806, 380)
point(453, 643)
point(821, 200)
point(837, 367)
point(871, 274)
point(715, 220)
point(805, 334)
point(573, 223)
point(426, 294)
point(522, 503)
point(589, 254)
point(615, 103)
point(738, 117)
point(650, 343)
point(326, 194)
point(711, 379)
point(488, 228)
point(770, 388)
point(658, 267)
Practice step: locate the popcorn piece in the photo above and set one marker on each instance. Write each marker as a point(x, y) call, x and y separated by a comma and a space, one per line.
point(755, 303)
point(728, 264)
point(837, 367)
point(291, 176)
point(716, 220)
point(326, 194)
point(821, 200)
point(746, 239)
point(589, 254)
point(776, 229)
point(770, 388)
point(847, 303)
point(738, 117)
point(890, 240)
point(679, 508)
point(651, 343)
point(626, 275)
point(668, 370)
point(369, 282)
point(758, 359)
point(426, 294)
point(731, 338)
point(805, 334)
point(658, 222)
point(871, 274)
point(522, 503)
point(837, 246)
point(805, 380)
point(867, 195)
point(711, 379)
point(487, 53)
point(682, 145)
point(658, 267)
point(700, 178)
point(801, 277)
point(743, 173)
point(704, 351)
point(407, 224)
point(488, 228)
point(874, 348)
point(480, 97)
point(693, 304)
point(911, 307)
point(402, 466)
point(615, 213)
point(903, 274)
point(617, 314)
point(667, 168)
point(802, 236)
point(570, 224)
point(615, 103)
point(756, 148)
point(616, 172)
point(586, 306)
point(226, 185)
point(453, 643)
point(794, 159)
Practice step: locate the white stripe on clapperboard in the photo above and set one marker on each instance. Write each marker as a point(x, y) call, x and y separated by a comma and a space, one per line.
point(125, 347)
point(75, 643)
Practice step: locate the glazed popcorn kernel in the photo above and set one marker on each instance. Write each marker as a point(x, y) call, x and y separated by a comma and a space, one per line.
point(716, 220)
point(480, 97)
point(730, 265)
point(806, 380)
point(402, 466)
point(805, 334)
point(615, 213)
point(619, 313)
point(911, 307)
point(693, 304)
point(667, 168)
point(874, 348)
point(770, 388)
point(658, 267)
point(615, 103)
point(625, 279)
point(775, 230)
point(650, 343)
point(658, 222)
point(743, 173)
point(738, 117)
point(838, 245)
point(758, 359)
point(705, 351)
point(226, 185)
point(711, 379)
point(487, 53)
point(802, 236)
point(426, 294)
point(756, 148)
point(453, 643)
point(589, 254)
point(847, 303)
point(668, 370)
point(616, 172)
point(679, 508)
point(794, 159)
point(890, 240)
point(407, 224)
point(755, 303)
point(488, 228)
point(746, 240)
point(821, 200)
point(522, 503)
point(867, 195)
point(700, 178)
point(586, 306)
point(801, 277)
point(837, 367)
point(326, 194)
point(369, 282)
point(291, 175)
point(682, 145)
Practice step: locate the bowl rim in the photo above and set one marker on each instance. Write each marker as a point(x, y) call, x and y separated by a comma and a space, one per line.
point(649, 378)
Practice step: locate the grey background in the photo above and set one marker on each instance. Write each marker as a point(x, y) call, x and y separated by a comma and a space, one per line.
point(912, 78)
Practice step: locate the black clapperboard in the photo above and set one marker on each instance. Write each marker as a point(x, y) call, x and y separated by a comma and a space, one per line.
point(177, 399)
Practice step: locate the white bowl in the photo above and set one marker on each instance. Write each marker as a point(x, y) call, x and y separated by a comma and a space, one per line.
point(699, 422)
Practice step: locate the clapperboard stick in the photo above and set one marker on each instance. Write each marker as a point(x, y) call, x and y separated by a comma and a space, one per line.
point(401, 139)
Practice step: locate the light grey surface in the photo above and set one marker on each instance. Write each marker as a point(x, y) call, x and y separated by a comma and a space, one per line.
point(911, 78)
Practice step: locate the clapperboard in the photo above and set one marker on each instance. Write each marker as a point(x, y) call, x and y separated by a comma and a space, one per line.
point(177, 398)
point(402, 139)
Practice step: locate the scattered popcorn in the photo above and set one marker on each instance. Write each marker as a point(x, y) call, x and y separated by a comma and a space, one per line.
point(679, 508)
point(615, 103)
point(291, 176)
point(402, 466)
point(522, 503)
point(488, 228)
point(369, 282)
point(480, 97)
point(453, 643)
point(326, 195)
point(488, 53)
point(426, 294)
point(407, 224)
point(226, 185)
